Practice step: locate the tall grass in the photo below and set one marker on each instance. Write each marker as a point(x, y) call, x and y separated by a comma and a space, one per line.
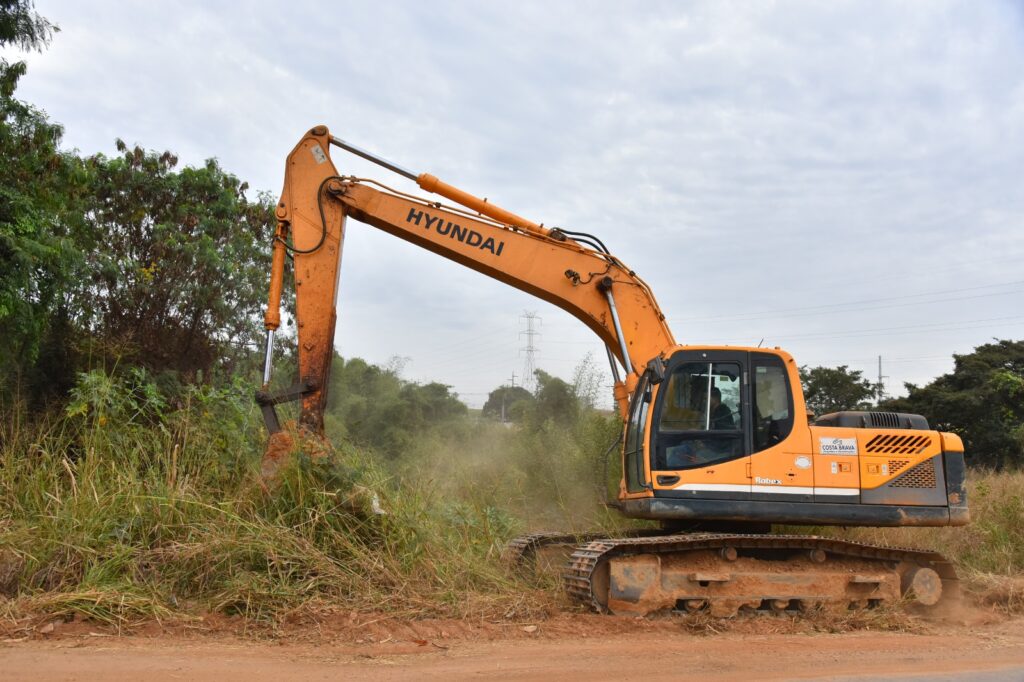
point(133, 504)
point(123, 508)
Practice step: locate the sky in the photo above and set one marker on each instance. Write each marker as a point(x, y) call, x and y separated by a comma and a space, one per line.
point(840, 179)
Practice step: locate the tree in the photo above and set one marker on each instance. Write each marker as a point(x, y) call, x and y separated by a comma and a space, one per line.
point(506, 397)
point(555, 399)
point(36, 178)
point(21, 26)
point(588, 381)
point(127, 257)
point(374, 406)
point(175, 261)
point(981, 400)
point(833, 389)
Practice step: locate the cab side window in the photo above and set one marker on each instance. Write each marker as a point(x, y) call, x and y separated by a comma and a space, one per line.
point(772, 401)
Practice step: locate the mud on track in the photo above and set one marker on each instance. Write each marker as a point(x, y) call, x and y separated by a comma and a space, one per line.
point(564, 647)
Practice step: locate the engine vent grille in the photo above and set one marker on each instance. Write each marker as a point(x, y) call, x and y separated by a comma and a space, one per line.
point(898, 444)
point(897, 465)
point(921, 476)
point(884, 420)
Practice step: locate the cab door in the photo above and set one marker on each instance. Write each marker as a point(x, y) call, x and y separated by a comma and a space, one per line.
point(781, 461)
point(699, 443)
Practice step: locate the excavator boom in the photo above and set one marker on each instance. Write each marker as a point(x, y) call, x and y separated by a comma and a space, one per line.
point(583, 280)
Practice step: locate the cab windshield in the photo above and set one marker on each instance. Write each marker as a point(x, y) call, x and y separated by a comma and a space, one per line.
point(700, 420)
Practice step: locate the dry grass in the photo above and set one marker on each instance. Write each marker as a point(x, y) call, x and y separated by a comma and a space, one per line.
point(164, 516)
point(127, 513)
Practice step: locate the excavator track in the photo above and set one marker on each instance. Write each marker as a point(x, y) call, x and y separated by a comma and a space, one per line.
point(724, 573)
point(544, 552)
point(547, 552)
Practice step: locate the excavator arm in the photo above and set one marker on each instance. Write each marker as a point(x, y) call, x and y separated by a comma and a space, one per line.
point(575, 274)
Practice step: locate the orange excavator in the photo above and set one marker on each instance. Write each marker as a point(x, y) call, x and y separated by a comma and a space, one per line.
point(717, 444)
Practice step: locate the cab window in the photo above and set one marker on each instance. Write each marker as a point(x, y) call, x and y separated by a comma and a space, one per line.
point(700, 419)
point(772, 401)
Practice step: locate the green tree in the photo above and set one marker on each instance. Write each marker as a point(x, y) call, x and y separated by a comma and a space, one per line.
point(981, 400)
point(833, 389)
point(373, 406)
point(176, 261)
point(21, 26)
point(555, 400)
point(35, 181)
point(507, 397)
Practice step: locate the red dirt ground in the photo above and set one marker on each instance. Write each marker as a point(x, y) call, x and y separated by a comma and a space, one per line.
point(565, 647)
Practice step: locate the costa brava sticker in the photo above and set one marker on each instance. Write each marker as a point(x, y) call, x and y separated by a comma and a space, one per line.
point(838, 446)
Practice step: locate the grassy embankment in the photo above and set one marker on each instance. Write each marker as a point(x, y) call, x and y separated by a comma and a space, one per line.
point(123, 508)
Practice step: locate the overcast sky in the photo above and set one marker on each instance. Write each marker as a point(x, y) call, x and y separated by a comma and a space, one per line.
point(840, 179)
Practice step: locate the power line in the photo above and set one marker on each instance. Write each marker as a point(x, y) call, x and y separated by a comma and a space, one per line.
point(902, 329)
point(827, 308)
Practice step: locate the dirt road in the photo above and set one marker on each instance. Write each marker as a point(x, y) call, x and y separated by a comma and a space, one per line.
point(560, 649)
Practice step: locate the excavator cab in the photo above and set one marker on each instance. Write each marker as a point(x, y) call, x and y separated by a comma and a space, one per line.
point(712, 427)
point(710, 410)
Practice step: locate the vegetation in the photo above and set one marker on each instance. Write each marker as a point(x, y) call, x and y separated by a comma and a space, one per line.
point(833, 389)
point(981, 400)
point(172, 274)
point(373, 407)
point(507, 403)
point(123, 508)
point(126, 506)
point(35, 178)
point(123, 260)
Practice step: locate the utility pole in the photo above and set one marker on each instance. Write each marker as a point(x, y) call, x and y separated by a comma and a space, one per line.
point(880, 386)
point(532, 321)
point(503, 395)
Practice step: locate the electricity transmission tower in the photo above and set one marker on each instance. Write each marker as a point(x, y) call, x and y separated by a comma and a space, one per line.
point(532, 321)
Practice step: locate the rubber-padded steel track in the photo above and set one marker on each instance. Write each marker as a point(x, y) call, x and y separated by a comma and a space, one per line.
point(578, 579)
point(519, 548)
